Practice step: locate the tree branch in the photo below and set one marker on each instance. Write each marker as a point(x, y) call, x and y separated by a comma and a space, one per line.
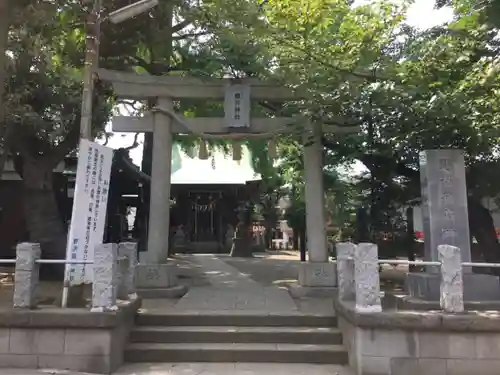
point(190, 35)
point(180, 26)
point(134, 144)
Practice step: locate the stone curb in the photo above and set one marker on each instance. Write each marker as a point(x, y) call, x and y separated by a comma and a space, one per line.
point(472, 321)
point(67, 318)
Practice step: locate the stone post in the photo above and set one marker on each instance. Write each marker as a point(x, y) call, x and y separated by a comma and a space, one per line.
point(121, 277)
point(159, 209)
point(367, 278)
point(129, 250)
point(105, 277)
point(452, 292)
point(345, 270)
point(26, 274)
point(315, 197)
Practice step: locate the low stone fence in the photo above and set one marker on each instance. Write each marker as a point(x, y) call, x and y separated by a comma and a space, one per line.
point(114, 269)
point(445, 342)
point(78, 339)
point(359, 279)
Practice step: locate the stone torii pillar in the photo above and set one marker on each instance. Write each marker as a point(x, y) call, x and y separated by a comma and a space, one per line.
point(318, 274)
point(315, 198)
point(159, 209)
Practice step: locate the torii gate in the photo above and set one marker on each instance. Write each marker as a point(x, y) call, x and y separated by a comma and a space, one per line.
point(237, 123)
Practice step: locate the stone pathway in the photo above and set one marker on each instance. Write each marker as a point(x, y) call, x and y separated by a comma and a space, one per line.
point(204, 369)
point(233, 369)
point(233, 291)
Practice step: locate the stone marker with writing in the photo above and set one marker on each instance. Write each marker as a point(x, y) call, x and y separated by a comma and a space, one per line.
point(345, 270)
point(445, 220)
point(26, 274)
point(452, 292)
point(444, 208)
point(105, 277)
point(367, 279)
point(129, 250)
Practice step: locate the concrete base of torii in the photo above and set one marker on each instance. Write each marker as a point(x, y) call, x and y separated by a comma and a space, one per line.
point(315, 280)
point(158, 281)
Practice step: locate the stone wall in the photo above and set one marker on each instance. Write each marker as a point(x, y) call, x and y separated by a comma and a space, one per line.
point(414, 343)
point(69, 339)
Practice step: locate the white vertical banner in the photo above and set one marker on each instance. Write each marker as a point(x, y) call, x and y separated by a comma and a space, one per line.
point(88, 217)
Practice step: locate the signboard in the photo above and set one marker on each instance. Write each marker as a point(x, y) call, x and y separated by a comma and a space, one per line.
point(237, 106)
point(89, 209)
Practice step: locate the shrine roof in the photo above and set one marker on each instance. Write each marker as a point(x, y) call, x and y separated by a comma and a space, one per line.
point(217, 169)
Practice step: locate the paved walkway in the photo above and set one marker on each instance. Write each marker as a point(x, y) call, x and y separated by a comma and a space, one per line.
point(233, 291)
point(205, 369)
point(221, 284)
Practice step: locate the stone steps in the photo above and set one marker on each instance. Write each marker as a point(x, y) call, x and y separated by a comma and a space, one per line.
point(236, 352)
point(254, 319)
point(223, 337)
point(229, 334)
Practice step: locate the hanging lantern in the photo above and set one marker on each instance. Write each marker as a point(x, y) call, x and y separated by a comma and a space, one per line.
point(236, 151)
point(271, 148)
point(203, 152)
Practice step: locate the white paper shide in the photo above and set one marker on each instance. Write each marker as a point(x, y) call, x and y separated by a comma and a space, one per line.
point(89, 209)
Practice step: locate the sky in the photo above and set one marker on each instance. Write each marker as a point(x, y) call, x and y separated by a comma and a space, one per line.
point(421, 14)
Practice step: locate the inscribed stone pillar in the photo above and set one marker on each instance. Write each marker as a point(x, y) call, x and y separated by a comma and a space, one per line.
point(159, 211)
point(345, 270)
point(129, 250)
point(26, 274)
point(315, 196)
point(445, 219)
point(104, 288)
point(452, 291)
point(444, 203)
point(367, 278)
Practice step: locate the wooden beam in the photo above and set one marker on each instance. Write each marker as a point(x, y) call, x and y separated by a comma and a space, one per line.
point(143, 86)
point(215, 126)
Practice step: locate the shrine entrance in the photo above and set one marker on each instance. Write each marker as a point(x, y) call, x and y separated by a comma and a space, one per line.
point(236, 126)
point(204, 218)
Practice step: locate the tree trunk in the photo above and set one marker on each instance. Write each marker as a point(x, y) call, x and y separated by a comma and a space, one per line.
point(242, 242)
point(268, 234)
point(410, 238)
point(362, 225)
point(4, 33)
point(43, 220)
point(295, 237)
point(483, 229)
point(302, 240)
point(4, 36)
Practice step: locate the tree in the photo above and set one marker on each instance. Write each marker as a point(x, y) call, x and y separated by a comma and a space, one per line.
point(442, 95)
point(43, 111)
